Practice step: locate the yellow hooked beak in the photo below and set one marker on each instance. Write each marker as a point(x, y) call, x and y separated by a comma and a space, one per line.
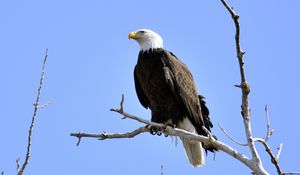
point(133, 35)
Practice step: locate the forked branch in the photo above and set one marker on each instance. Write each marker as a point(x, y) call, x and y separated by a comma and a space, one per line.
point(274, 159)
point(245, 103)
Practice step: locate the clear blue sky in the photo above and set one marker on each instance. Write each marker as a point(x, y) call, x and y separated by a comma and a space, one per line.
point(91, 64)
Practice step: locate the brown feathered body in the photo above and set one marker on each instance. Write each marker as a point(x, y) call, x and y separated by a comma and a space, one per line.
point(165, 85)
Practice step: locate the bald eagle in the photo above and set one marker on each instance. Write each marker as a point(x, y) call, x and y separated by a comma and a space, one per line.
point(165, 85)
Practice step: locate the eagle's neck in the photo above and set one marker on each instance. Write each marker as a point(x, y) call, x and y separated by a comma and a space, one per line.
point(153, 44)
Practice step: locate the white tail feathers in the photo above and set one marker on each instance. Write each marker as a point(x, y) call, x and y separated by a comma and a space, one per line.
point(193, 150)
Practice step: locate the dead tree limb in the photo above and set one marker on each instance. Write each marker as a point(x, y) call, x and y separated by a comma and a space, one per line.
point(36, 107)
point(244, 86)
point(174, 132)
point(245, 102)
point(105, 135)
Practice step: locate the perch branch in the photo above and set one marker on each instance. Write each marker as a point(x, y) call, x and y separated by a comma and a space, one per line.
point(206, 141)
point(245, 88)
point(181, 133)
point(36, 107)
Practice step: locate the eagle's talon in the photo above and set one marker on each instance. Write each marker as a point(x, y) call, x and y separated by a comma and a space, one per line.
point(153, 130)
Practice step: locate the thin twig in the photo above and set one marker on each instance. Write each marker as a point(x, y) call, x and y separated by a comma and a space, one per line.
point(279, 151)
point(269, 130)
point(45, 105)
point(126, 115)
point(161, 169)
point(268, 124)
point(36, 107)
point(231, 138)
point(18, 163)
point(290, 173)
point(78, 135)
point(121, 105)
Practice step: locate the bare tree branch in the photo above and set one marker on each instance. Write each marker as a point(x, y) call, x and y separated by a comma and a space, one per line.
point(290, 173)
point(36, 107)
point(245, 88)
point(245, 103)
point(207, 141)
point(105, 135)
point(269, 151)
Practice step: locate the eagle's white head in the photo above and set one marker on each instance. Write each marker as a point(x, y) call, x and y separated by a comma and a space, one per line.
point(147, 39)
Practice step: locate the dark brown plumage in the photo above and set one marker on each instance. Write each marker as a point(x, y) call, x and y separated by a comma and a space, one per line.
point(165, 85)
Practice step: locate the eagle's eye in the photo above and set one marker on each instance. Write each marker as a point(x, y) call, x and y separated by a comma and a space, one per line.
point(142, 32)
